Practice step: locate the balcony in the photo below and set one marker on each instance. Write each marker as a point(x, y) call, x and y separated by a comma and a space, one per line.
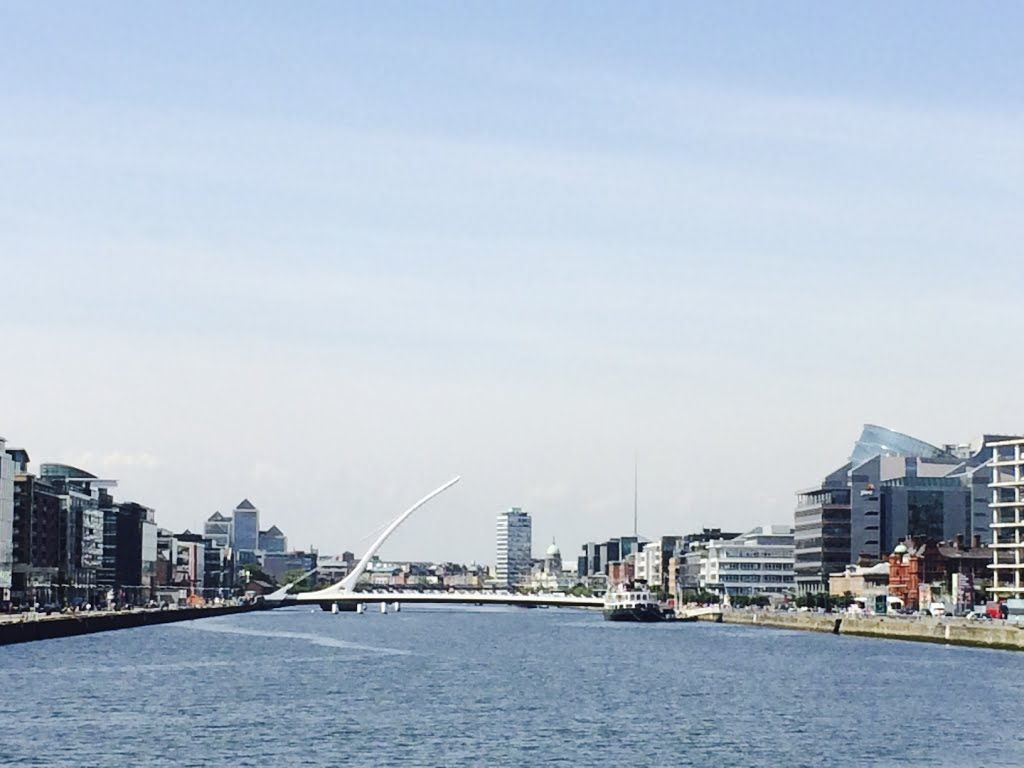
point(1004, 501)
point(1006, 459)
point(1006, 480)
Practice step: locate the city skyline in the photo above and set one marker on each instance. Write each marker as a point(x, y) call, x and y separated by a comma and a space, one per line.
point(342, 257)
point(667, 523)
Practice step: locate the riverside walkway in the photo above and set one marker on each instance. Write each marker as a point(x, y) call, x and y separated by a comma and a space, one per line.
point(946, 630)
point(26, 627)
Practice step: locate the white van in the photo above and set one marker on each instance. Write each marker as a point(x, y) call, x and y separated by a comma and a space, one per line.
point(937, 609)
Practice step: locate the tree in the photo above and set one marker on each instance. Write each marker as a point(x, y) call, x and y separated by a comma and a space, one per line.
point(702, 598)
point(253, 572)
point(755, 601)
point(295, 575)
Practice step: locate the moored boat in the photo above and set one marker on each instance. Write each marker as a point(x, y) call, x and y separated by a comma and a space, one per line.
point(631, 602)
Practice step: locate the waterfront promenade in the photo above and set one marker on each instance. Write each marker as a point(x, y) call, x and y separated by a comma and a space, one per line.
point(26, 627)
point(926, 629)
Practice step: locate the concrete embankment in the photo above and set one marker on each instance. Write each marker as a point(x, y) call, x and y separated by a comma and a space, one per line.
point(917, 628)
point(28, 628)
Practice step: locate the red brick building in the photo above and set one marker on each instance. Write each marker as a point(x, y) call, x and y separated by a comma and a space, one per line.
point(913, 564)
point(620, 572)
point(905, 576)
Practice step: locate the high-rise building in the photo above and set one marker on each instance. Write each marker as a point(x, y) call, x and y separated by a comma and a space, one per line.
point(129, 552)
point(219, 558)
point(106, 573)
point(879, 456)
point(245, 530)
point(975, 474)
point(895, 486)
point(273, 541)
point(80, 530)
point(7, 468)
point(217, 528)
point(1008, 518)
point(595, 559)
point(38, 508)
point(586, 561)
point(514, 560)
point(821, 538)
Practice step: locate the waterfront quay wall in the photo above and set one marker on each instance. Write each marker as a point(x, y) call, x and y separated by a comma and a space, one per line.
point(26, 628)
point(949, 631)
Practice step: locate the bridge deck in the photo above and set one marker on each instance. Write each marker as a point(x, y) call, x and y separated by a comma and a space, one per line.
point(451, 598)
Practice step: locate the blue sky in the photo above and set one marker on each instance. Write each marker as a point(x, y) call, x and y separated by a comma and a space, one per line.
point(327, 256)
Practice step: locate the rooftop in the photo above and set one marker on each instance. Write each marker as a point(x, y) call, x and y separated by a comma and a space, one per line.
point(882, 441)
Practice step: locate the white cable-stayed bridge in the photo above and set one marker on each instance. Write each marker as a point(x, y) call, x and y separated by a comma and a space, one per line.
point(343, 595)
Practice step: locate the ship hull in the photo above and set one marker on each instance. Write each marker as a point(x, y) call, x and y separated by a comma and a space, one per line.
point(646, 613)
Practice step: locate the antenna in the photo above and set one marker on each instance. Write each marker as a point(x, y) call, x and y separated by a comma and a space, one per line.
point(635, 534)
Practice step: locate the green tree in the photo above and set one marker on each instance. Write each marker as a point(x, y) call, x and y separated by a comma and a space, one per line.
point(305, 585)
point(253, 572)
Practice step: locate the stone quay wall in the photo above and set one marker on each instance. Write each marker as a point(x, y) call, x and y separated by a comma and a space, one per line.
point(949, 631)
point(27, 628)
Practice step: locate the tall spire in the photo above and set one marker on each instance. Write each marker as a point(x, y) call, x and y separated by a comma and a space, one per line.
point(635, 534)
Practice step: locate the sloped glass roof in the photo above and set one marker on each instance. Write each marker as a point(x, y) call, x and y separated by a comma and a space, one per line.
point(879, 441)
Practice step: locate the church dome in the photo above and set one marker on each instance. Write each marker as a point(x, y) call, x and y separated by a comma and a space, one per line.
point(901, 549)
point(553, 550)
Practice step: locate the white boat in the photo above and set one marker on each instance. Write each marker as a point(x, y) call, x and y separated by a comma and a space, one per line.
point(631, 602)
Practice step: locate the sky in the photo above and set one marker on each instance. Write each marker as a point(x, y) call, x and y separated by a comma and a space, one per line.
point(327, 256)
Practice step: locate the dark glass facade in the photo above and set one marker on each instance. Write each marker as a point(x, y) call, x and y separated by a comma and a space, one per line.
point(822, 532)
point(245, 529)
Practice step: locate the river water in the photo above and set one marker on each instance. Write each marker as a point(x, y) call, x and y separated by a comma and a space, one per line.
point(494, 687)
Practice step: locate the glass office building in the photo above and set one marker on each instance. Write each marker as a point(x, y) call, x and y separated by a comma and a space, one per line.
point(879, 441)
point(245, 527)
point(515, 547)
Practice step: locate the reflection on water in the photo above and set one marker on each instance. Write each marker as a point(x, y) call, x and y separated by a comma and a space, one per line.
point(519, 687)
point(214, 625)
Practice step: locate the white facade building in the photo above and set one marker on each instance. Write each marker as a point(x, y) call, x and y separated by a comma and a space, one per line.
point(754, 563)
point(647, 566)
point(515, 545)
point(6, 521)
point(1007, 519)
